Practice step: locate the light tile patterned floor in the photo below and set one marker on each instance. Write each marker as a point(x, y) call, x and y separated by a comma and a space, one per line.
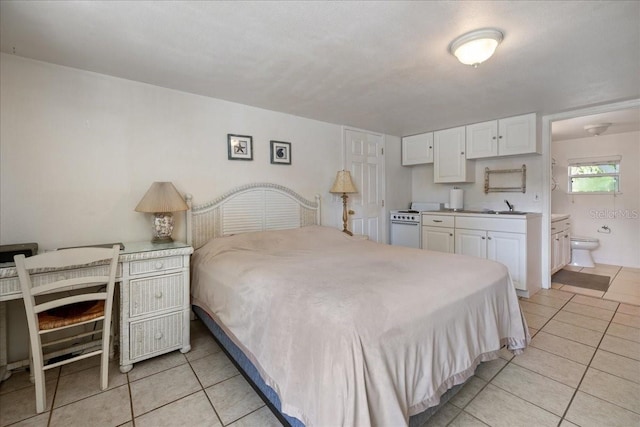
point(624, 283)
point(582, 368)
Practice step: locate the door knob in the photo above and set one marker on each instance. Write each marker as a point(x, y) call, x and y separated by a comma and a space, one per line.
point(351, 212)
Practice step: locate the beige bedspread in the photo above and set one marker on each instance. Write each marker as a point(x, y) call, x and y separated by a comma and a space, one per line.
point(350, 332)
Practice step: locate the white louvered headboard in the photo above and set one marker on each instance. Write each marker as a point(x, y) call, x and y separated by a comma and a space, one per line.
point(252, 207)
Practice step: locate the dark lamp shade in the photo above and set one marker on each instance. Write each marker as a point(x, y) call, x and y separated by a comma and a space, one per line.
point(162, 197)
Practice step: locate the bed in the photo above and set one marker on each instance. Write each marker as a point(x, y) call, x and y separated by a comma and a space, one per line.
point(339, 330)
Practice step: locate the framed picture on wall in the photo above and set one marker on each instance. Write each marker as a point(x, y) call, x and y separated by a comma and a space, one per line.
point(280, 153)
point(240, 147)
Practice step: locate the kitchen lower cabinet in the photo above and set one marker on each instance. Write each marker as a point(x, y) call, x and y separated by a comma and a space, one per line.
point(560, 243)
point(471, 242)
point(439, 239)
point(509, 249)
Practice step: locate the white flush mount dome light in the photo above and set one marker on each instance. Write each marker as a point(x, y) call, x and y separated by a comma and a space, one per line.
point(596, 130)
point(477, 46)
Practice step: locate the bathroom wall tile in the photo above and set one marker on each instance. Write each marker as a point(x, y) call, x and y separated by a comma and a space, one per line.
point(615, 364)
point(498, 408)
point(535, 388)
point(589, 411)
point(559, 346)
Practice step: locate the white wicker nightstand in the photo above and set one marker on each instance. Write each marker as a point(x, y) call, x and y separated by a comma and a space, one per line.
point(154, 301)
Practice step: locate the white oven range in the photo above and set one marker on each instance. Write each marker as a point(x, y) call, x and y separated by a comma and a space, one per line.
point(405, 225)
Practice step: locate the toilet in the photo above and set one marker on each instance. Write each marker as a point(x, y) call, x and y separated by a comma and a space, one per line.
point(581, 248)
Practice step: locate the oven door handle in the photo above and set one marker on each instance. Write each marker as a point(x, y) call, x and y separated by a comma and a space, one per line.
point(404, 223)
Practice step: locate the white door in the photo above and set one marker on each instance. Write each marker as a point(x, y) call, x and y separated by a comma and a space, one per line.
point(437, 239)
point(364, 158)
point(471, 242)
point(510, 249)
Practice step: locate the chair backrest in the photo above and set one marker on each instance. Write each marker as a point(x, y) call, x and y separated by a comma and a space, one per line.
point(62, 259)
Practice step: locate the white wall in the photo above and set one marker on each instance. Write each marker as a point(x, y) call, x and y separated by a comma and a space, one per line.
point(78, 150)
point(590, 212)
point(424, 189)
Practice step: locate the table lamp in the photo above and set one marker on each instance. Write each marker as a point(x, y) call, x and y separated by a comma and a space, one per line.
point(343, 184)
point(161, 200)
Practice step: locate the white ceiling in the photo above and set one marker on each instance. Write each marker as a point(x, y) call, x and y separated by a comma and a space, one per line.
point(380, 66)
point(621, 122)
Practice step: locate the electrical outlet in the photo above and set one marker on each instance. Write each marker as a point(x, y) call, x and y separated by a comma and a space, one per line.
point(536, 197)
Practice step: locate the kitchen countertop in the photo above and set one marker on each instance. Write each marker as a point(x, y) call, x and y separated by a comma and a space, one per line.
point(559, 216)
point(483, 213)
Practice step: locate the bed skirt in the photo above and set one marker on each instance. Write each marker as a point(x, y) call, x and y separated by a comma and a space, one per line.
point(270, 397)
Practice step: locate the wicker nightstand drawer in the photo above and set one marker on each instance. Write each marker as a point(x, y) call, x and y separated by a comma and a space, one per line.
point(156, 335)
point(156, 293)
point(152, 265)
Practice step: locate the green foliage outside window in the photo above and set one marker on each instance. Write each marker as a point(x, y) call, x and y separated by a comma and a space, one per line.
point(594, 178)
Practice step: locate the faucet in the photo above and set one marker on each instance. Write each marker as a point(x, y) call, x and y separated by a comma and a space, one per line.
point(509, 204)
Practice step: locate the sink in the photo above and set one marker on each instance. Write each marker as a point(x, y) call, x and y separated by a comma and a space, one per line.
point(510, 213)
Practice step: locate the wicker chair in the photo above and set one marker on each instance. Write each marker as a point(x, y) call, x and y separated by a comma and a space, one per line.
point(70, 302)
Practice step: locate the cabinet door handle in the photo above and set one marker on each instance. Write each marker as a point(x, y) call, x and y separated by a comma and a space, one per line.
point(437, 220)
point(158, 294)
point(489, 238)
point(462, 153)
point(566, 235)
point(430, 147)
point(500, 137)
point(482, 237)
point(494, 137)
point(158, 335)
point(450, 234)
point(159, 265)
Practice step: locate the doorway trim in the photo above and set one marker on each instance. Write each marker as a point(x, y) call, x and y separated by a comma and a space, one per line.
point(546, 177)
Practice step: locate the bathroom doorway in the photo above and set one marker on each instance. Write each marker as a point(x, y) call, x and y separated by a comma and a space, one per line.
point(607, 214)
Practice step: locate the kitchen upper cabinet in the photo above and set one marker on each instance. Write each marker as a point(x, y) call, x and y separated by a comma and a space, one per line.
point(504, 137)
point(417, 149)
point(450, 162)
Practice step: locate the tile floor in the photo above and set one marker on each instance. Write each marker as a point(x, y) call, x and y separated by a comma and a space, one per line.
point(582, 369)
point(624, 283)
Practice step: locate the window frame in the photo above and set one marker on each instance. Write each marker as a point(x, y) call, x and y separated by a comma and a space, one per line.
point(594, 161)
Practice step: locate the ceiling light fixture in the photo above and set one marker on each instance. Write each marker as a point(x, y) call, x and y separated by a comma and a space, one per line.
point(596, 130)
point(477, 46)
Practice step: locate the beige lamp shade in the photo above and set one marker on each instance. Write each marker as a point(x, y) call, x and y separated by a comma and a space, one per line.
point(162, 197)
point(343, 183)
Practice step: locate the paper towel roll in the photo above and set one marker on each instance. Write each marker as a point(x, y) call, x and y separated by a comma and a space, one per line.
point(456, 199)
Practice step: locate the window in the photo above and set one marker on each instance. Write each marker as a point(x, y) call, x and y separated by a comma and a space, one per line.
point(594, 176)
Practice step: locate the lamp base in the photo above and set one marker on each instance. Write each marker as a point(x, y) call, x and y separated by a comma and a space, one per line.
point(162, 227)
